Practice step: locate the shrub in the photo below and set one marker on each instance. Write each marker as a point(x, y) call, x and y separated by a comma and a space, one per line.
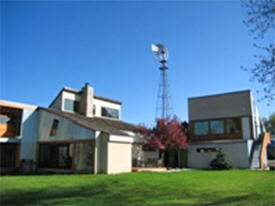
point(219, 163)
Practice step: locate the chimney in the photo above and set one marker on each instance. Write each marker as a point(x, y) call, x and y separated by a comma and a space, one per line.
point(86, 100)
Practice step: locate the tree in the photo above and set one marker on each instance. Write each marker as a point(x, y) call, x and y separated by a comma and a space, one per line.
point(166, 135)
point(270, 124)
point(259, 16)
point(220, 163)
point(260, 19)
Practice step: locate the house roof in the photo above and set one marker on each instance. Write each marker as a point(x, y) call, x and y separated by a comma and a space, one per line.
point(100, 124)
point(221, 94)
point(121, 125)
point(79, 92)
point(107, 99)
point(16, 105)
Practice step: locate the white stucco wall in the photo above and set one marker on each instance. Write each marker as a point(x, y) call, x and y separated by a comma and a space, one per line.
point(67, 130)
point(100, 103)
point(119, 157)
point(101, 152)
point(246, 129)
point(236, 153)
point(59, 103)
point(29, 133)
point(69, 95)
point(114, 154)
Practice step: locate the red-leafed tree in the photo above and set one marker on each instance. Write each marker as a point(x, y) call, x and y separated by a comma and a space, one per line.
point(166, 135)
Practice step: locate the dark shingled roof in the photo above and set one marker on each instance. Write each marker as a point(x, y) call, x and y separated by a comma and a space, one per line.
point(95, 123)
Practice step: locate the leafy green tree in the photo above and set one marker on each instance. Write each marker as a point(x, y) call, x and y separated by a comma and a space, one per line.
point(220, 163)
point(270, 124)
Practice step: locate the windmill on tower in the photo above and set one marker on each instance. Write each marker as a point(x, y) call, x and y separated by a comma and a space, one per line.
point(164, 103)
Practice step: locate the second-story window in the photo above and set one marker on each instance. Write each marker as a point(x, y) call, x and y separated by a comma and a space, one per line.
point(233, 126)
point(220, 127)
point(71, 105)
point(94, 109)
point(108, 112)
point(217, 126)
point(54, 127)
point(201, 128)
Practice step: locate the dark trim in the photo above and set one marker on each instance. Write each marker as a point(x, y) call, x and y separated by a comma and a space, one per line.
point(107, 99)
point(224, 136)
point(66, 141)
point(71, 90)
point(219, 118)
point(213, 137)
point(222, 141)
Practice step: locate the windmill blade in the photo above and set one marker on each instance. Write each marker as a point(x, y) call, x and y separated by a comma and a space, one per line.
point(155, 48)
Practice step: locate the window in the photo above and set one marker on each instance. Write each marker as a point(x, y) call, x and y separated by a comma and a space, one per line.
point(94, 109)
point(4, 119)
point(54, 127)
point(226, 127)
point(8, 155)
point(201, 128)
point(71, 105)
point(76, 106)
point(217, 126)
point(233, 126)
point(108, 112)
point(55, 156)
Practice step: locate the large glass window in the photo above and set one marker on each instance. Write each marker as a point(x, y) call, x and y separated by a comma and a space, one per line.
point(83, 156)
point(233, 126)
point(108, 112)
point(55, 156)
point(201, 128)
point(217, 126)
point(71, 105)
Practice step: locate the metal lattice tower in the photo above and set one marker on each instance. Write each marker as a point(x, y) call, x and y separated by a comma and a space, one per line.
point(164, 100)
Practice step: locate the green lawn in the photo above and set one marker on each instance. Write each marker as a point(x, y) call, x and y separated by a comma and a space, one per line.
point(234, 187)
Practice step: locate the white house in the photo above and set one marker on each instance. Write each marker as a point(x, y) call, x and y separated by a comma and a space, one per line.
point(79, 132)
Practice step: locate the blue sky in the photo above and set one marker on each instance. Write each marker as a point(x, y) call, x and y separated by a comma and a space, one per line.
point(46, 45)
